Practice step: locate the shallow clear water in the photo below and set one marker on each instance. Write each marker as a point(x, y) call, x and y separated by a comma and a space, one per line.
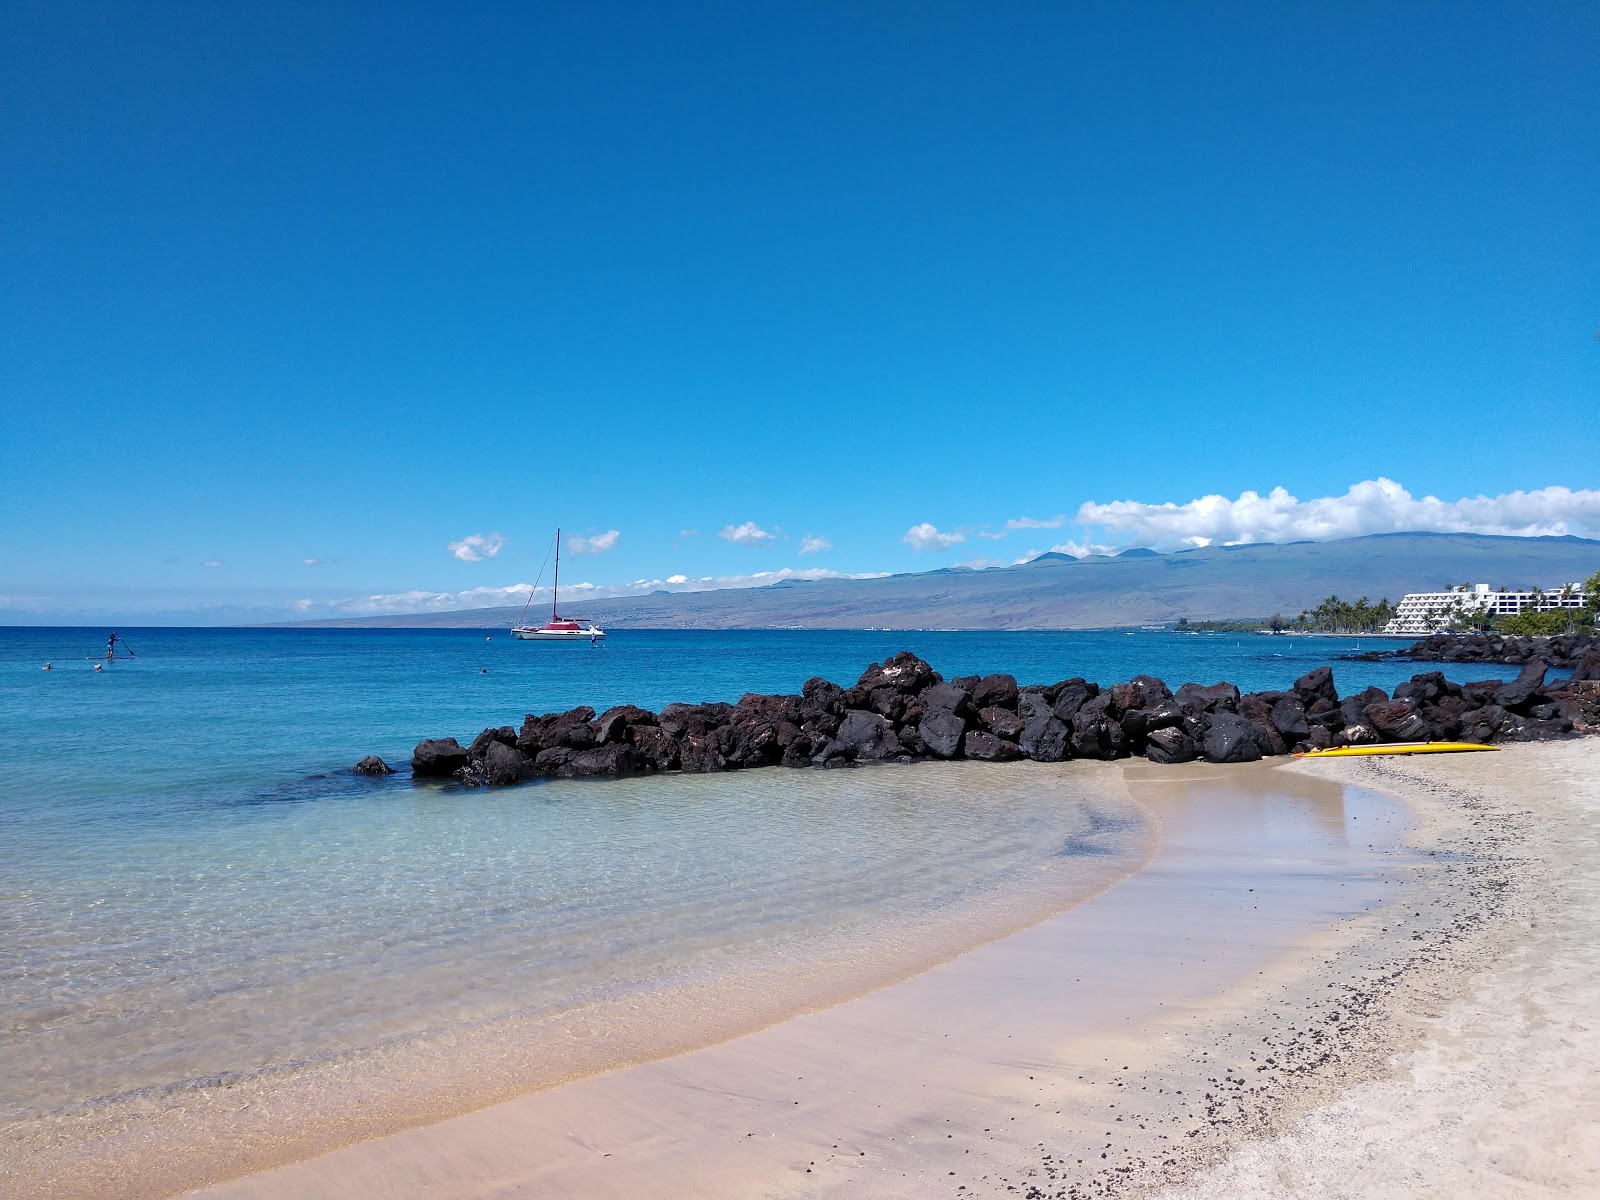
point(193, 886)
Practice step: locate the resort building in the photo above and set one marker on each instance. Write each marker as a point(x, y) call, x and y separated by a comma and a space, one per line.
point(1432, 612)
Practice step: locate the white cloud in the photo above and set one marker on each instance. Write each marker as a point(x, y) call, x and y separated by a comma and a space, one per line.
point(477, 546)
point(214, 562)
point(598, 544)
point(926, 537)
point(748, 534)
point(1055, 522)
point(991, 537)
point(423, 601)
point(311, 562)
point(1372, 506)
point(814, 545)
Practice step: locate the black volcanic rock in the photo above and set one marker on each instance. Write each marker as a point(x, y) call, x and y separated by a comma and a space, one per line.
point(904, 673)
point(986, 747)
point(949, 697)
point(1140, 723)
point(1398, 721)
point(1231, 739)
point(995, 690)
point(1316, 684)
point(941, 731)
point(696, 719)
point(1046, 739)
point(1032, 703)
point(823, 695)
point(1587, 668)
point(902, 711)
point(437, 758)
point(1002, 722)
point(1288, 717)
point(1223, 697)
point(1070, 695)
point(1170, 745)
point(372, 765)
point(505, 735)
point(697, 754)
point(503, 764)
point(1095, 732)
point(613, 724)
point(1525, 690)
point(869, 736)
point(656, 748)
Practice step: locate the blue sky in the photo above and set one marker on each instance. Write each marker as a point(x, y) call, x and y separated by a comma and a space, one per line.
point(318, 293)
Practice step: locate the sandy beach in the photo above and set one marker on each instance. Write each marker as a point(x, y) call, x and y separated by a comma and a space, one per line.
point(1342, 978)
point(1423, 1027)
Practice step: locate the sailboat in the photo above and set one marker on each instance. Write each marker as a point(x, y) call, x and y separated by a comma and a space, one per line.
point(557, 628)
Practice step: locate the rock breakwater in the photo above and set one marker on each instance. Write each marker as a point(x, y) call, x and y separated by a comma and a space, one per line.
point(902, 710)
point(1564, 650)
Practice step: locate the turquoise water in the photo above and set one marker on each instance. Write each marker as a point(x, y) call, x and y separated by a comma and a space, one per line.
point(196, 889)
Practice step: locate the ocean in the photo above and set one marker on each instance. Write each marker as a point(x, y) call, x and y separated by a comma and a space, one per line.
point(199, 894)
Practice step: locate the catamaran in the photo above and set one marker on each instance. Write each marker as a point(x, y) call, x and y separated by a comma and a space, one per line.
point(557, 628)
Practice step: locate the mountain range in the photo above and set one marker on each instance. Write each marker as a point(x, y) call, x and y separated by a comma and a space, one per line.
point(1057, 591)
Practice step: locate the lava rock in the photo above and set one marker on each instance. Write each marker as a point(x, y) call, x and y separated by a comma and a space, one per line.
point(1218, 697)
point(1230, 739)
point(1288, 717)
point(1316, 684)
point(1398, 721)
point(698, 755)
point(502, 764)
point(870, 737)
point(995, 691)
point(372, 765)
point(613, 724)
point(986, 747)
point(941, 731)
point(1070, 695)
point(504, 735)
point(1170, 745)
point(1033, 703)
point(437, 758)
point(655, 748)
point(1525, 690)
point(1046, 738)
point(1001, 722)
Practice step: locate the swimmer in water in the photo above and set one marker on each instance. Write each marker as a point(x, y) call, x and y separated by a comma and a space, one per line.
point(47, 666)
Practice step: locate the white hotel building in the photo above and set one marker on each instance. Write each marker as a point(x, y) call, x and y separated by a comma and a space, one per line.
point(1430, 612)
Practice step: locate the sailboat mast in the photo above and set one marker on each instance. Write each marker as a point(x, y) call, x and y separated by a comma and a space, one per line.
point(555, 589)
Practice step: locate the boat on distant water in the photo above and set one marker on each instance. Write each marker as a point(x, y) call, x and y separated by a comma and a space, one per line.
point(557, 628)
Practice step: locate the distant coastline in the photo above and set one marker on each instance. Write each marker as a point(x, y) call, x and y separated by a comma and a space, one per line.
point(1055, 592)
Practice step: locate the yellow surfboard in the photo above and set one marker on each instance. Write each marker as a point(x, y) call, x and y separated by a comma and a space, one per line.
point(1395, 748)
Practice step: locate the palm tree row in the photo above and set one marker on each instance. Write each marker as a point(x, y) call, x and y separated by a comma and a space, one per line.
point(1334, 615)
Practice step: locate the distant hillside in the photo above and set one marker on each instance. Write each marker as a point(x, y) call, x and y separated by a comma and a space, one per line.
point(1055, 591)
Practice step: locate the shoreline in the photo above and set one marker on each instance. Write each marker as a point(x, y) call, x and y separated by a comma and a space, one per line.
point(770, 1113)
point(165, 1140)
point(1441, 1043)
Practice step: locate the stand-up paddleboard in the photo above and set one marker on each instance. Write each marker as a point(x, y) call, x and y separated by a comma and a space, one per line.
point(1395, 748)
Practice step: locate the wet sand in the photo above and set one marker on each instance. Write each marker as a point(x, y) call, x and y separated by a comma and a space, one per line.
point(981, 1075)
point(1312, 989)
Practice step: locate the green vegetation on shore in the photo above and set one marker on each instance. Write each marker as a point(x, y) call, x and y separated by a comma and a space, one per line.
point(1531, 622)
point(1333, 615)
